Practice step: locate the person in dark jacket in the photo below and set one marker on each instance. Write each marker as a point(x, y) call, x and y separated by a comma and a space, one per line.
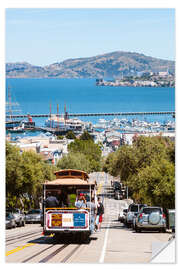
point(51, 201)
point(100, 212)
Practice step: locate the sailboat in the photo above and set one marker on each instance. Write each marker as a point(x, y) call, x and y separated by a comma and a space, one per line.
point(11, 108)
point(14, 124)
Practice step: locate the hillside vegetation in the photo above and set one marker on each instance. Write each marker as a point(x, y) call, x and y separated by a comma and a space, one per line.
point(111, 65)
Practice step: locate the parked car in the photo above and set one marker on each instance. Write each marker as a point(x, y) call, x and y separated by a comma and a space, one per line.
point(170, 219)
point(151, 218)
point(116, 185)
point(122, 215)
point(18, 215)
point(10, 220)
point(135, 215)
point(118, 195)
point(34, 216)
point(133, 210)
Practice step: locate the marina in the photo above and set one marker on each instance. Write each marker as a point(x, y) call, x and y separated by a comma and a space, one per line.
point(124, 110)
point(60, 125)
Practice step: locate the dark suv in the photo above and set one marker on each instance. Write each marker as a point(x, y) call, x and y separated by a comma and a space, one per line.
point(117, 185)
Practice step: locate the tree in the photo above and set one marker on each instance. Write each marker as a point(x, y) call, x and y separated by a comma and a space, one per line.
point(60, 137)
point(86, 136)
point(35, 172)
point(122, 162)
point(91, 151)
point(14, 174)
point(148, 168)
point(155, 184)
point(70, 135)
point(76, 161)
point(25, 173)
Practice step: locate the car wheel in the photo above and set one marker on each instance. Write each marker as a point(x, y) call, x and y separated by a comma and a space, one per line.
point(138, 230)
point(163, 230)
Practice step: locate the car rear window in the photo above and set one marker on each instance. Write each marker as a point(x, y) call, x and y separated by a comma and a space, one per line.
point(16, 211)
point(151, 210)
point(134, 208)
point(117, 184)
point(142, 205)
point(34, 212)
point(8, 215)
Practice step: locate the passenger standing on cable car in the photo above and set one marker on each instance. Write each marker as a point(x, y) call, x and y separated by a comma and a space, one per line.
point(81, 201)
point(93, 209)
point(51, 201)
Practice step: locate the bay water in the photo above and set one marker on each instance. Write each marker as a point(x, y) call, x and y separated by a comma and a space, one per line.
point(83, 96)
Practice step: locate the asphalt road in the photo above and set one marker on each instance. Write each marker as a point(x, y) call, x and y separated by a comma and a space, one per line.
point(113, 244)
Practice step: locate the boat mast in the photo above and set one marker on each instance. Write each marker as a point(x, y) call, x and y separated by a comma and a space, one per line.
point(65, 114)
point(58, 115)
point(9, 103)
point(50, 115)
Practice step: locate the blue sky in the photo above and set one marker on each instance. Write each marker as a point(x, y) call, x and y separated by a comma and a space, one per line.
point(45, 36)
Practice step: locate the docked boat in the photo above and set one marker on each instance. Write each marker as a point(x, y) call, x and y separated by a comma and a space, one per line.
point(18, 129)
point(60, 123)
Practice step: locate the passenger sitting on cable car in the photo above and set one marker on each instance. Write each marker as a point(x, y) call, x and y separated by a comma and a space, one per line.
point(63, 198)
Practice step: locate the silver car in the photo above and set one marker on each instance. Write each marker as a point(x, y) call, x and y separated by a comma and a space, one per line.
point(133, 210)
point(151, 218)
point(33, 216)
point(10, 220)
point(19, 217)
point(122, 215)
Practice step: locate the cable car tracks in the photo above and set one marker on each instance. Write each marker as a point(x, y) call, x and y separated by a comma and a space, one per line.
point(20, 237)
point(56, 252)
point(42, 249)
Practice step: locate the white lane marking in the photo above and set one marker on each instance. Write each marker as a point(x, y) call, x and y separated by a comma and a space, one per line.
point(101, 260)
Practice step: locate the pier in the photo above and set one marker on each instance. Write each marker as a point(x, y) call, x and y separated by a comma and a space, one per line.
point(95, 114)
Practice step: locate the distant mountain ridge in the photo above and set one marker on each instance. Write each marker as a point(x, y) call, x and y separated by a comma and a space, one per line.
point(109, 65)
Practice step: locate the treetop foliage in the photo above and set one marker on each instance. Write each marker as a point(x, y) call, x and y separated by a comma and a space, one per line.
point(25, 173)
point(83, 154)
point(147, 168)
